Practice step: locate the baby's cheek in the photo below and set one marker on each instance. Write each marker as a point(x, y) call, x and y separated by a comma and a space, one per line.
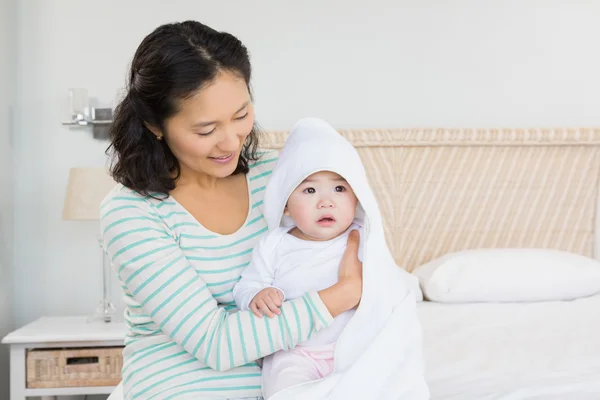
point(303, 215)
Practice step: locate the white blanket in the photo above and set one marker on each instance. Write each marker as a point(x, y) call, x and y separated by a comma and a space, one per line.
point(379, 354)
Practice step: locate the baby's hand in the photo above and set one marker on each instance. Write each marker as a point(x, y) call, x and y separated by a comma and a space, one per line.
point(268, 301)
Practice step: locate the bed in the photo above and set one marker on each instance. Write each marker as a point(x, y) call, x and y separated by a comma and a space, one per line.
point(450, 190)
point(546, 350)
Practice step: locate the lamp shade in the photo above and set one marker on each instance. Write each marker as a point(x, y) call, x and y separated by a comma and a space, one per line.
point(87, 187)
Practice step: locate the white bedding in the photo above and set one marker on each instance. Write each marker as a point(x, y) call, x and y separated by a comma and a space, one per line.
point(548, 350)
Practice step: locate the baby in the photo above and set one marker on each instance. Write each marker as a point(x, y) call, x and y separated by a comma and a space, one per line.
point(304, 255)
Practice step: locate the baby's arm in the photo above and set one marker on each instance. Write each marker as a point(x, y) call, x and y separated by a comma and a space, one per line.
point(255, 290)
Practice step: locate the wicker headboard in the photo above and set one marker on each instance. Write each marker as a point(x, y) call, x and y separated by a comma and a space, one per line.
point(444, 190)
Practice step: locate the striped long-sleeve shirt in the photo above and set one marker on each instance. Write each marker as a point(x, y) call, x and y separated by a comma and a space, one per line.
point(185, 338)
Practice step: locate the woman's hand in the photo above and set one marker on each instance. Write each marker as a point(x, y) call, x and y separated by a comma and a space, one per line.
point(346, 293)
point(350, 266)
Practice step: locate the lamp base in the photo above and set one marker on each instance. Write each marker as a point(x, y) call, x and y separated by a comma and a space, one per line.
point(105, 311)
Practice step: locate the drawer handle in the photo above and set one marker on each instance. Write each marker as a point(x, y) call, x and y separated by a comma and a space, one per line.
point(82, 360)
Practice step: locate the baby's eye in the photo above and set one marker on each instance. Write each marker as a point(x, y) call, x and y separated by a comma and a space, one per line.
point(340, 189)
point(309, 190)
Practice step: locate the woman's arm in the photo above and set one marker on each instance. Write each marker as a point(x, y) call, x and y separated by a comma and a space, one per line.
point(153, 268)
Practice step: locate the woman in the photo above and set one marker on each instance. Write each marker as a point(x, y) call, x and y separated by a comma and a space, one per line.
point(181, 227)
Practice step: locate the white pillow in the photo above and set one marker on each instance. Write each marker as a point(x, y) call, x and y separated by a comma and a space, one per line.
point(509, 275)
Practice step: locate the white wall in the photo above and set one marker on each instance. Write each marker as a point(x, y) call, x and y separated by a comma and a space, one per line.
point(514, 63)
point(7, 101)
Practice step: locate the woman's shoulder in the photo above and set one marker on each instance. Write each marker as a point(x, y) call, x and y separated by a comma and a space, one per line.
point(122, 197)
point(263, 165)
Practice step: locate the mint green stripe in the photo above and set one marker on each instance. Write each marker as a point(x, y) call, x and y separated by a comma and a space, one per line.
point(220, 377)
point(115, 210)
point(224, 282)
point(216, 389)
point(168, 378)
point(219, 345)
point(138, 199)
point(173, 213)
point(269, 160)
point(195, 327)
point(209, 346)
point(143, 329)
point(289, 330)
point(311, 320)
point(257, 204)
point(223, 293)
point(153, 346)
point(155, 275)
point(242, 339)
point(260, 175)
point(146, 254)
point(171, 297)
point(283, 340)
point(184, 224)
point(252, 318)
point(166, 203)
point(229, 341)
point(123, 220)
point(180, 306)
point(227, 245)
point(218, 271)
point(261, 216)
point(227, 257)
point(138, 271)
point(141, 357)
point(267, 325)
point(121, 235)
point(297, 320)
point(163, 286)
point(197, 236)
point(229, 308)
point(135, 244)
point(187, 317)
point(258, 189)
point(315, 310)
point(195, 352)
point(155, 362)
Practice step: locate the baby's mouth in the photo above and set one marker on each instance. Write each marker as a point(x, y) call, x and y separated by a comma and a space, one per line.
point(326, 220)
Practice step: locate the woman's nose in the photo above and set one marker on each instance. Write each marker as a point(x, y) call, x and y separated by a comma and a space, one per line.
point(230, 141)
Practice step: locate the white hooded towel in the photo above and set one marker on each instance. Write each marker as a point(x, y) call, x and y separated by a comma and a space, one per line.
point(379, 354)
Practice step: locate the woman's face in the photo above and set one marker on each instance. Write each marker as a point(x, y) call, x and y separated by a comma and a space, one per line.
point(209, 131)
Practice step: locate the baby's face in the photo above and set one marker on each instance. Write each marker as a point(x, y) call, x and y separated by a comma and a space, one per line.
point(323, 206)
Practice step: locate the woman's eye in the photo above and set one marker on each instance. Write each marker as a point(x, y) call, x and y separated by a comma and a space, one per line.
point(309, 190)
point(242, 117)
point(340, 189)
point(206, 133)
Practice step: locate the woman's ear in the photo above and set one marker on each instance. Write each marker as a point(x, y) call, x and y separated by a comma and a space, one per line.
point(155, 131)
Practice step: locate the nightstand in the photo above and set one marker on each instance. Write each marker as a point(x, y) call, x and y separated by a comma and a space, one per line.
point(52, 344)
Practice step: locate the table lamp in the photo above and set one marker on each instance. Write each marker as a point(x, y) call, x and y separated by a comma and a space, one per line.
point(87, 187)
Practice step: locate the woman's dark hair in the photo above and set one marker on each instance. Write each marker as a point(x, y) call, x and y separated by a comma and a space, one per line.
point(171, 64)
